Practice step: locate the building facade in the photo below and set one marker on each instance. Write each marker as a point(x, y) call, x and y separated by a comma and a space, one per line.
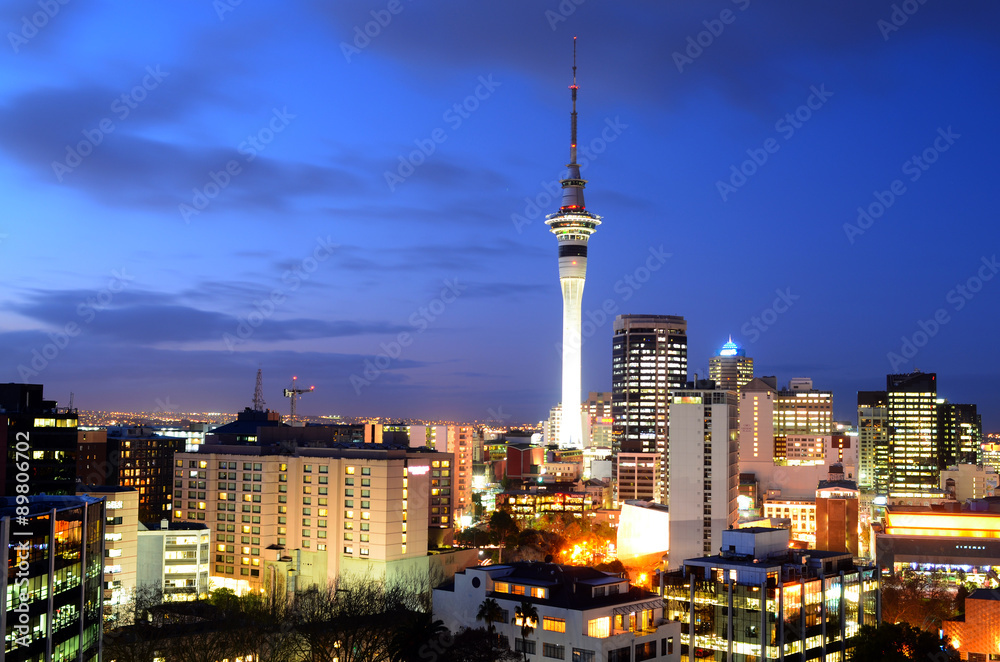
point(175, 558)
point(26, 417)
point(704, 468)
point(53, 550)
point(731, 369)
point(914, 452)
point(364, 508)
point(637, 477)
point(648, 358)
point(760, 600)
point(873, 442)
point(584, 615)
point(121, 525)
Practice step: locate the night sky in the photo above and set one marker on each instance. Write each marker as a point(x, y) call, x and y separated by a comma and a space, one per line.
point(195, 190)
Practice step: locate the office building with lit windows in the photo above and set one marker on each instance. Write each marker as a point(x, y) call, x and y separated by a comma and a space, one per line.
point(731, 369)
point(960, 430)
point(131, 457)
point(760, 600)
point(61, 540)
point(584, 615)
point(873, 442)
point(914, 454)
point(294, 517)
point(50, 433)
point(648, 358)
point(785, 439)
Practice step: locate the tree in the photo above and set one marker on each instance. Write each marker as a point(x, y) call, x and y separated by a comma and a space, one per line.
point(899, 642)
point(527, 614)
point(475, 645)
point(490, 612)
point(129, 633)
point(916, 598)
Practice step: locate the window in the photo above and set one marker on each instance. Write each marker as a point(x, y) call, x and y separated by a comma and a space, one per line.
point(599, 628)
point(646, 651)
point(501, 587)
point(553, 624)
point(620, 655)
point(667, 646)
point(366, 471)
point(554, 651)
point(524, 646)
point(581, 655)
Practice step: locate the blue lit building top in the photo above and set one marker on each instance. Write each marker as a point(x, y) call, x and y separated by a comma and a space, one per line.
point(732, 349)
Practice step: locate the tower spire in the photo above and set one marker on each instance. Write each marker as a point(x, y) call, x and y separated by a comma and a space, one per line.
point(573, 88)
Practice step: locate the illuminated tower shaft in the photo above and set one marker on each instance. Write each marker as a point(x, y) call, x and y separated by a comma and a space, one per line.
point(572, 225)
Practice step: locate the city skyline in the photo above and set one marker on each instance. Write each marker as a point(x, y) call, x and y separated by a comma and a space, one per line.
point(331, 193)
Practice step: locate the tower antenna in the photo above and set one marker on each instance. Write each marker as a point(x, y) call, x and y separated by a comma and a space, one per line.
point(574, 88)
point(258, 393)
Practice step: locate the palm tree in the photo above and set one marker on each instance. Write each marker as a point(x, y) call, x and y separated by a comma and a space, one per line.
point(490, 612)
point(528, 615)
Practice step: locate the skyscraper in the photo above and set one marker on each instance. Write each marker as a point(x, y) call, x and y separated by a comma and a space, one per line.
point(731, 368)
point(572, 225)
point(960, 429)
point(873, 442)
point(648, 358)
point(913, 437)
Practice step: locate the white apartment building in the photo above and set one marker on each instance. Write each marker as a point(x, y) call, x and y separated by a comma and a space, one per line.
point(584, 615)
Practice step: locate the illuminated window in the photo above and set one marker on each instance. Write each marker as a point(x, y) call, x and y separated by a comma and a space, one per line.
point(599, 628)
point(553, 624)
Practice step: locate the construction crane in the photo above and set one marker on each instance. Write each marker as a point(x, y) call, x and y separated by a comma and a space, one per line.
point(294, 394)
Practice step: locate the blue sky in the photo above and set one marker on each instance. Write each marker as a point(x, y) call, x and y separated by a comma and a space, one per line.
point(195, 190)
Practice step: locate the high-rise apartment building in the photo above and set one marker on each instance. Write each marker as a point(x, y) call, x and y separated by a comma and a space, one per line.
point(704, 467)
point(26, 417)
point(873, 441)
point(914, 452)
point(56, 546)
point(731, 368)
point(572, 225)
point(648, 358)
point(317, 512)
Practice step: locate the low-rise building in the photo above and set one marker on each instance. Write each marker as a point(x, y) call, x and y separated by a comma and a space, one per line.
point(948, 538)
point(976, 634)
point(584, 615)
point(970, 481)
point(174, 559)
point(759, 600)
point(528, 504)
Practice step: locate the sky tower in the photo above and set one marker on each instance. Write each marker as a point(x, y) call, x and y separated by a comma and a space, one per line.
point(572, 225)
